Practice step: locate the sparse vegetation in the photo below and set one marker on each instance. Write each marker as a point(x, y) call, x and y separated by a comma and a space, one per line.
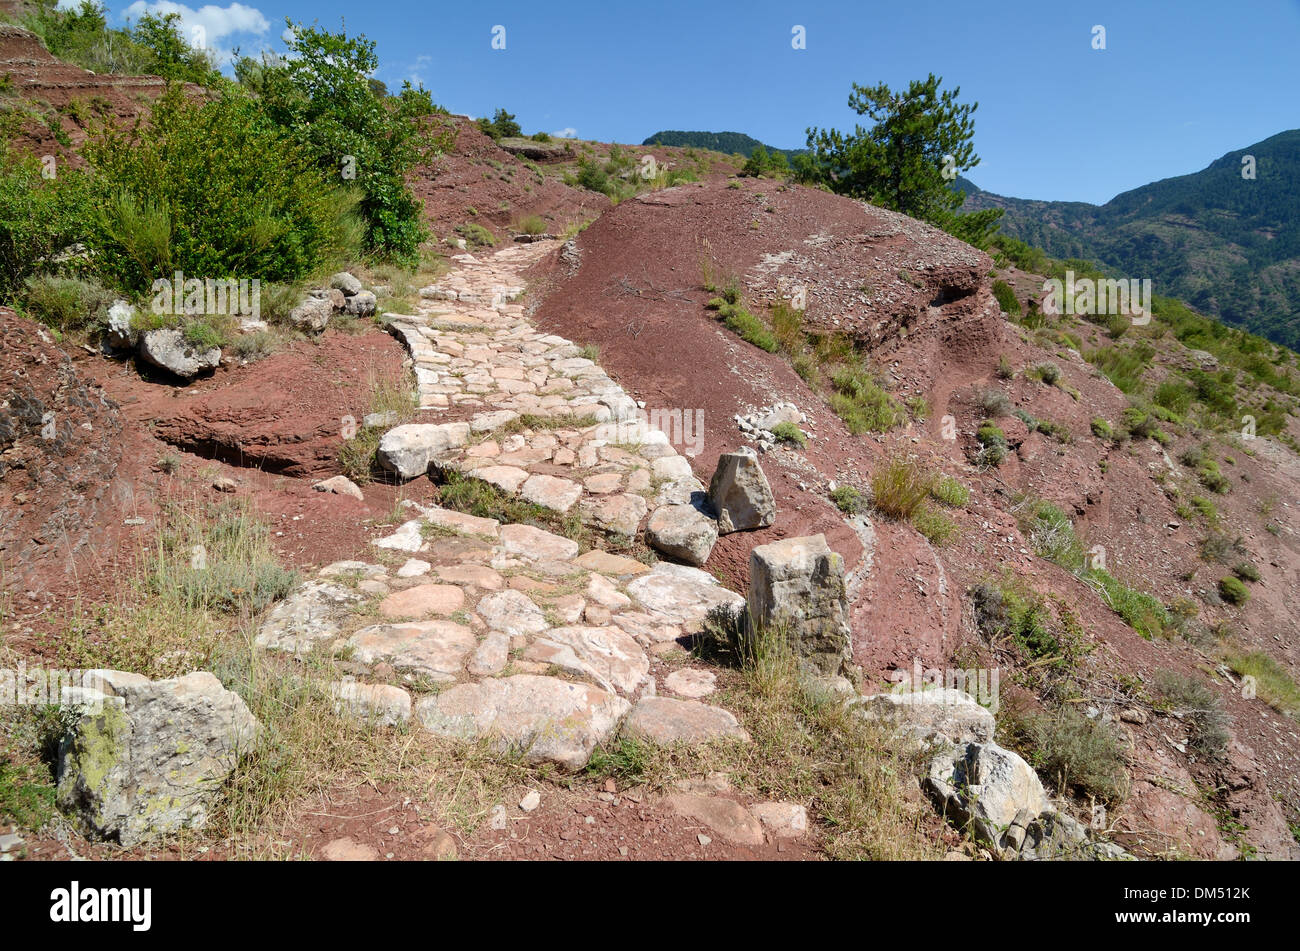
point(950, 492)
point(1196, 703)
point(790, 434)
point(899, 487)
point(806, 747)
point(994, 403)
point(1273, 684)
point(1079, 755)
point(993, 445)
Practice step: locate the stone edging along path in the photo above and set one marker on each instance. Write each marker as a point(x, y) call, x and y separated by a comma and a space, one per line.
point(511, 633)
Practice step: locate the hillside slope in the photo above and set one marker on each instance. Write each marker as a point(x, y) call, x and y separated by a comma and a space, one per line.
point(1227, 245)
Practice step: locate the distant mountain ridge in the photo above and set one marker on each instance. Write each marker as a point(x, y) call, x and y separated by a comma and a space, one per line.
point(1228, 245)
point(728, 143)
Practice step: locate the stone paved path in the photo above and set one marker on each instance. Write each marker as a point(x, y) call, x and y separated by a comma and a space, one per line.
point(478, 360)
point(473, 628)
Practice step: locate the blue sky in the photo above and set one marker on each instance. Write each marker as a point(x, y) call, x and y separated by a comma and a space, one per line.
point(1178, 85)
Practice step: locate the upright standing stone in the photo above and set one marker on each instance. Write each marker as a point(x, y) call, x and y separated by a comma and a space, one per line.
point(798, 584)
point(740, 494)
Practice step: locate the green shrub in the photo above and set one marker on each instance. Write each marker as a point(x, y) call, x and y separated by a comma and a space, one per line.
point(848, 499)
point(1078, 754)
point(1123, 366)
point(862, 404)
point(1101, 428)
point(790, 433)
point(213, 189)
point(67, 303)
point(934, 525)
point(475, 235)
point(153, 46)
point(994, 403)
point(762, 162)
point(1006, 298)
point(748, 327)
point(1246, 571)
point(1207, 724)
point(1213, 478)
point(502, 125)
point(319, 94)
point(1273, 684)
point(1136, 423)
point(950, 492)
point(1173, 396)
point(993, 444)
point(39, 218)
point(203, 335)
point(1233, 591)
point(1049, 373)
point(1055, 430)
point(1140, 611)
point(1009, 611)
point(531, 224)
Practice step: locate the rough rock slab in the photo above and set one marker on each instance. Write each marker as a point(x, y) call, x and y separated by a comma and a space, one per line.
point(422, 600)
point(612, 657)
point(375, 704)
point(551, 492)
point(435, 649)
point(939, 712)
point(548, 719)
point(512, 612)
point(664, 720)
point(607, 563)
point(784, 820)
point(797, 584)
point(726, 817)
point(311, 614)
point(169, 350)
point(691, 683)
point(339, 485)
point(537, 545)
point(986, 785)
point(682, 596)
point(408, 450)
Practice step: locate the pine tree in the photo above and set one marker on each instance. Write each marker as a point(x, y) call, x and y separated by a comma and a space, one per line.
point(908, 159)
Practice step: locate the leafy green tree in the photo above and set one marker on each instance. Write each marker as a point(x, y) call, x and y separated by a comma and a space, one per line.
point(762, 162)
point(502, 125)
point(918, 143)
point(171, 56)
point(321, 93)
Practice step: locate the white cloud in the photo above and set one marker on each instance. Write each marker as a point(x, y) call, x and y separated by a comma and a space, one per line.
point(209, 24)
point(416, 73)
point(569, 133)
